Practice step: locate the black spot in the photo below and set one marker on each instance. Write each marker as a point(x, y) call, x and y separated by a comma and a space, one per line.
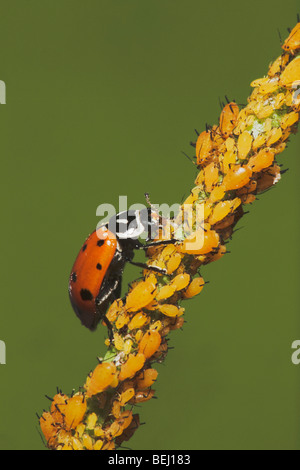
point(73, 277)
point(99, 266)
point(86, 294)
point(100, 242)
point(84, 247)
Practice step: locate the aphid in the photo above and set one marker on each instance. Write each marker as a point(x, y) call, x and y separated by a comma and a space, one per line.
point(237, 177)
point(200, 242)
point(204, 147)
point(262, 160)
point(244, 144)
point(74, 411)
point(142, 396)
point(101, 378)
point(133, 364)
point(228, 119)
point(146, 378)
point(48, 426)
point(194, 288)
point(211, 176)
point(171, 310)
point(141, 295)
point(149, 343)
point(138, 321)
point(222, 209)
point(292, 43)
point(291, 74)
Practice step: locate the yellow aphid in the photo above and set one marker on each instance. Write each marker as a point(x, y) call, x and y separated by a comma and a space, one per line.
point(230, 144)
point(291, 74)
point(146, 378)
point(126, 396)
point(229, 159)
point(292, 43)
point(278, 65)
point(91, 421)
point(259, 82)
point(98, 431)
point(200, 242)
point(228, 119)
point(122, 320)
point(244, 144)
point(141, 295)
point(173, 263)
point(114, 310)
point(204, 146)
point(138, 335)
point(133, 364)
point(156, 326)
point(265, 112)
point(101, 378)
point(274, 136)
point(118, 341)
point(236, 178)
point(149, 343)
point(269, 87)
point(74, 411)
point(168, 251)
point(194, 288)
point(138, 321)
point(127, 346)
point(268, 125)
point(114, 430)
point(180, 281)
point(48, 426)
point(279, 100)
point(259, 141)
point(98, 445)
point(262, 160)
point(80, 429)
point(171, 310)
point(217, 194)
point(289, 119)
point(76, 444)
point(222, 209)
point(211, 176)
point(116, 409)
point(165, 292)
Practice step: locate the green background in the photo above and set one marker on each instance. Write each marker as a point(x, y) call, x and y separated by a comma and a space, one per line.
point(102, 97)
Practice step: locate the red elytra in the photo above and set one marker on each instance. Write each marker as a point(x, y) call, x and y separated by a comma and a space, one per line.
point(88, 273)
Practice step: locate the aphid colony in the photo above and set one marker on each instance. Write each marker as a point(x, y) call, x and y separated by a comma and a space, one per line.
point(237, 161)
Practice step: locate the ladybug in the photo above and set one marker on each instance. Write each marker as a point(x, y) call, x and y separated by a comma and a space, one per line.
point(96, 276)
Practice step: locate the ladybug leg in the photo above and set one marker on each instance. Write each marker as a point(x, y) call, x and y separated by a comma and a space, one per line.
point(109, 290)
point(150, 268)
point(157, 243)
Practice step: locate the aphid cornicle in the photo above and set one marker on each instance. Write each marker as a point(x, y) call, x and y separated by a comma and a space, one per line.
point(95, 279)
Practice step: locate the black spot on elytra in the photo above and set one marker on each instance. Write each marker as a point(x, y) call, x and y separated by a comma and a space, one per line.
point(99, 266)
point(100, 242)
point(86, 294)
point(73, 277)
point(84, 247)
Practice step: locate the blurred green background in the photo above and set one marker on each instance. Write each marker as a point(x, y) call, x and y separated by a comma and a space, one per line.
point(102, 97)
